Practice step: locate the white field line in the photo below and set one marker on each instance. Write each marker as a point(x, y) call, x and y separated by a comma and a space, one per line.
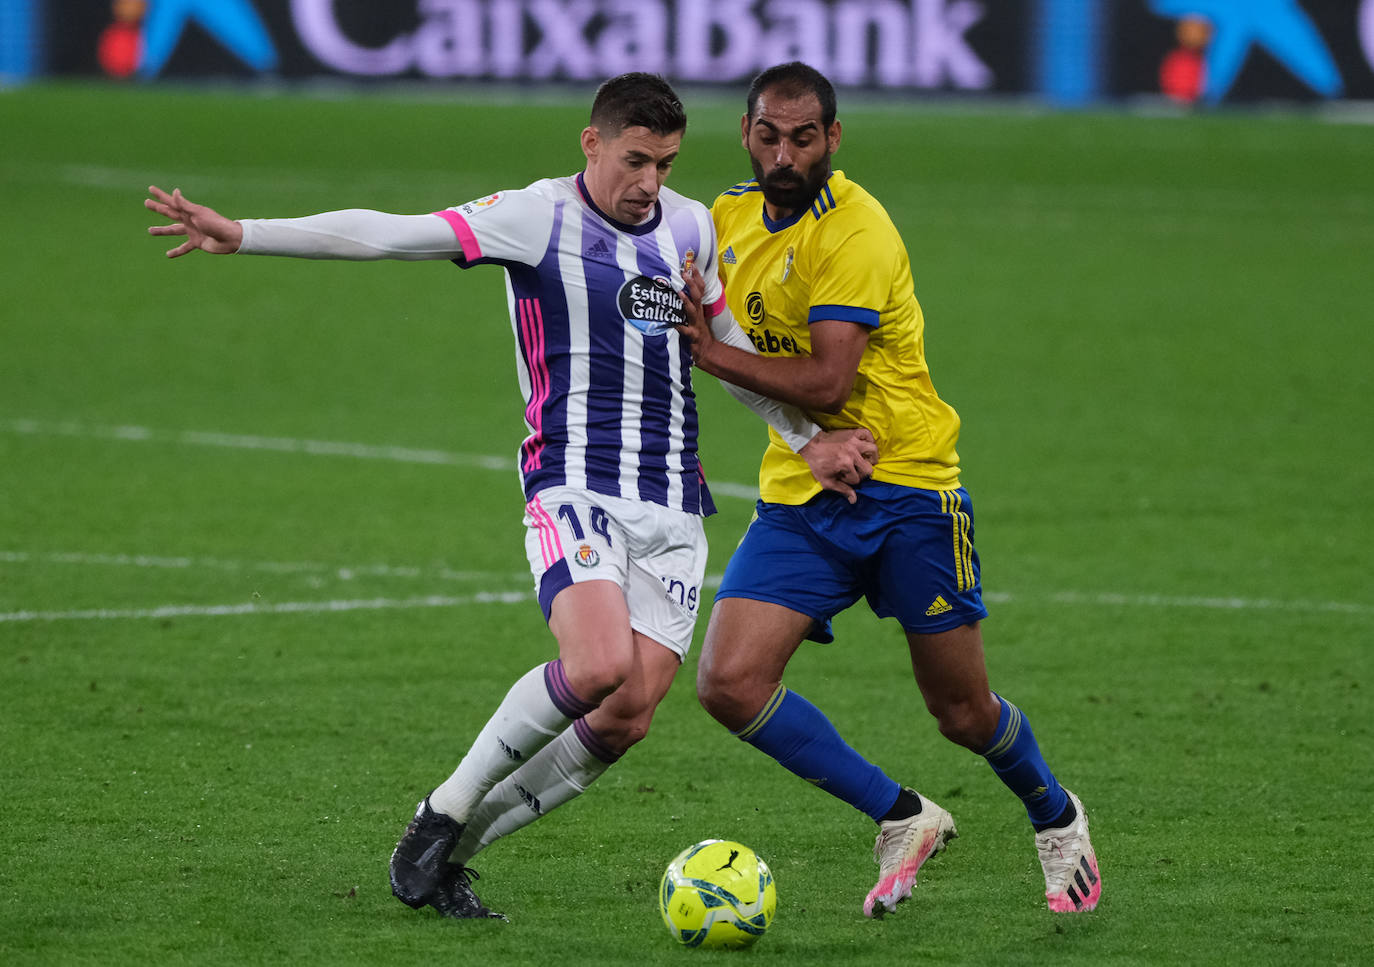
point(284, 607)
point(241, 441)
point(307, 447)
point(1165, 601)
point(308, 568)
point(1148, 601)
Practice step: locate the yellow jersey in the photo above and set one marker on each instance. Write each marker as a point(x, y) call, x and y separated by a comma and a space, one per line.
point(842, 258)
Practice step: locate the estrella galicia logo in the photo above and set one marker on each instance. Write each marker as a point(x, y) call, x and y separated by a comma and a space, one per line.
point(753, 306)
point(650, 305)
point(586, 556)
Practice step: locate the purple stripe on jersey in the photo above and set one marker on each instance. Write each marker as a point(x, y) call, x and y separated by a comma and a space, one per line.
point(655, 422)
point(606, 394)
point(695, 497)
point(562, 694)
point(694, 493)
point(707, 502)
point(657, 419)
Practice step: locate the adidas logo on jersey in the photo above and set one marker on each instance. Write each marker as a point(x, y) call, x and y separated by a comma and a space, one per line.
point(938, 606)
point(599, 250)
point(729, 256)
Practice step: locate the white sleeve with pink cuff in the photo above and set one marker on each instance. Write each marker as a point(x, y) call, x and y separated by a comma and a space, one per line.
point(354, 234)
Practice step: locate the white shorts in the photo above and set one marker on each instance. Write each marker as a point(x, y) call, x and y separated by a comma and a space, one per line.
point(656, 555)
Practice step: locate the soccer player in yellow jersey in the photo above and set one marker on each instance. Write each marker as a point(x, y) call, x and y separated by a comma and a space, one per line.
point(817, 275)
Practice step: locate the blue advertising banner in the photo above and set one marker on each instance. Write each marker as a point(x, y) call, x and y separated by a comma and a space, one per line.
point(938, 45)
point(1069, 52)
point(21, 46)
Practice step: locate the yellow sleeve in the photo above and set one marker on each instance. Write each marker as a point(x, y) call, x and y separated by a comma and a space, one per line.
point(852, 269)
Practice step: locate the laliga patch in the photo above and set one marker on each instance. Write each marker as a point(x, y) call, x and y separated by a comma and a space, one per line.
point(473, 207)
point(651, 305)
point(586, 556)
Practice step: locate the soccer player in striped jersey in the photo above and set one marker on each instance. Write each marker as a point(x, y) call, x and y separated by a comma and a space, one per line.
point(815, 269)
point(594, 266)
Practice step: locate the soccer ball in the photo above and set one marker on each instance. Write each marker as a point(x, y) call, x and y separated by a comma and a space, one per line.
point(717, 894)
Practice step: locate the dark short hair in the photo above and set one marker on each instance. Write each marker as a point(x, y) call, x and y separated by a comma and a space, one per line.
point(793, 80)
point(635, 100)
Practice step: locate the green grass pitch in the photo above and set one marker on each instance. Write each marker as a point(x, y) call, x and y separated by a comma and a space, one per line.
point(261, 575)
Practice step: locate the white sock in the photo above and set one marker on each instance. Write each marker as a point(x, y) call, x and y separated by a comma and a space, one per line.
point(527, 719)
point(561, 771)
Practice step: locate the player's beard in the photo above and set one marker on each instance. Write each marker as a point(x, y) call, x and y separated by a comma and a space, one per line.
point(788, 188)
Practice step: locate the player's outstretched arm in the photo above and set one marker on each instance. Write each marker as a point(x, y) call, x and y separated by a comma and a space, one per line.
point(204, 228)
point(354, 234)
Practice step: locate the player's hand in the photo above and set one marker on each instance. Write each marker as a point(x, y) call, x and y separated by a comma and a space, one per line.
point(840, 460)
point(204, 228)
point(696, 330)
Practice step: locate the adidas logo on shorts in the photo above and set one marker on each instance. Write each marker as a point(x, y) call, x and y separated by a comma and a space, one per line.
point(938, 606)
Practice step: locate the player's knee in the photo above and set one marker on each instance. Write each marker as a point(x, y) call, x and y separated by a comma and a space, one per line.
point(592, 680)
point(621, 733)
point(634, 731)
point(710, 691)
point(957, 729)
point(964, 723)
point(724, 698)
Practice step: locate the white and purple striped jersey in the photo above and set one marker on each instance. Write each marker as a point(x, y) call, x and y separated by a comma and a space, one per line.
point(607, 380)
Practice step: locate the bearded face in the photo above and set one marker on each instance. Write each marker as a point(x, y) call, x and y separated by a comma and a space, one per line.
point(791, 188)
point(789, 149)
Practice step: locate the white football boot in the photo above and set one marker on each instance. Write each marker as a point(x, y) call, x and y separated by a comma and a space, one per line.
point(902, 846)
point(1072, 882)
